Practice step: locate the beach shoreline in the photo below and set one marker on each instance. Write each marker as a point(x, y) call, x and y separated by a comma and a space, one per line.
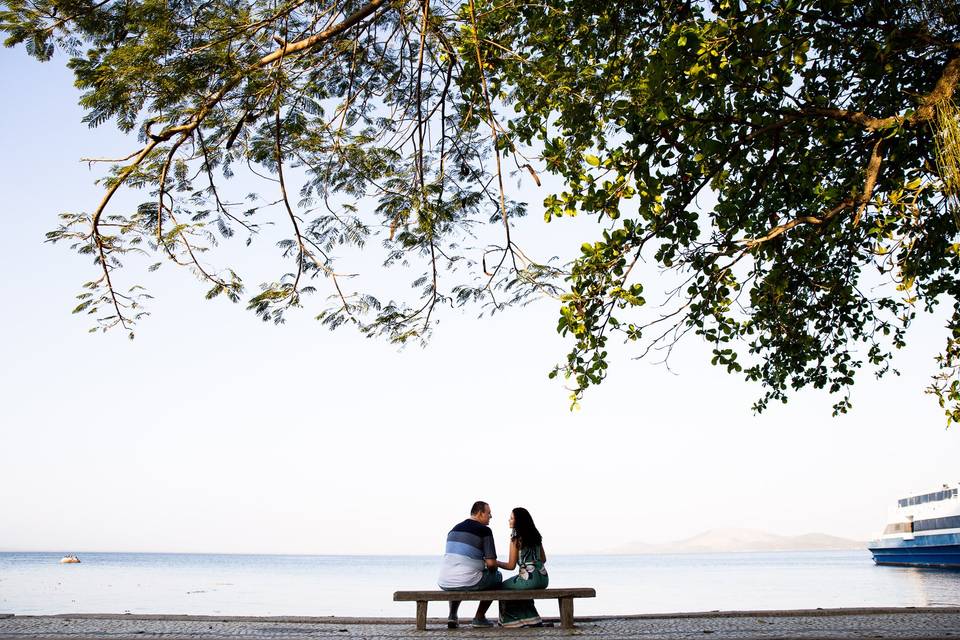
point(908, 623)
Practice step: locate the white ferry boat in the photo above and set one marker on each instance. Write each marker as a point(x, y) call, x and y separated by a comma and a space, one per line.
point(923, 530)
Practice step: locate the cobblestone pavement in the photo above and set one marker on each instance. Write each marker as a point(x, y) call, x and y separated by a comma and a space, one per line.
point(910, 624)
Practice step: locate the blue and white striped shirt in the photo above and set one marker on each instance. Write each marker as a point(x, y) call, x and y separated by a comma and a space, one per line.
point(468, 544)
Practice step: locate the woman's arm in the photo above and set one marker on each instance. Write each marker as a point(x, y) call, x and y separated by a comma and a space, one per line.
point(543, 554)
point(509, 566)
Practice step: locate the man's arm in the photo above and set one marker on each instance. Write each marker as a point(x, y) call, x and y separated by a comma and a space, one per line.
point(489, 551)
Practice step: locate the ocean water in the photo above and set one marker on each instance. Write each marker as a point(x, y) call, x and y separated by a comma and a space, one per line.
point(36, 583)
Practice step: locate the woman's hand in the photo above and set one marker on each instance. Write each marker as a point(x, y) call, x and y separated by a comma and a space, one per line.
point(514, 555)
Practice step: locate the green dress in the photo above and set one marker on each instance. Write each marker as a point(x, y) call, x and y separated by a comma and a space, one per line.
point(533, 575)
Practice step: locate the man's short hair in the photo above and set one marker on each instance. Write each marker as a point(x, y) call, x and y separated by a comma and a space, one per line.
point(478, 507)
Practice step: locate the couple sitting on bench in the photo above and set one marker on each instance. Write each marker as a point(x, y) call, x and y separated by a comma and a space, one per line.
point(470, 564)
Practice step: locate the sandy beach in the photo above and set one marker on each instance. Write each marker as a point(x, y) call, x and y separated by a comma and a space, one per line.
point(824, 624)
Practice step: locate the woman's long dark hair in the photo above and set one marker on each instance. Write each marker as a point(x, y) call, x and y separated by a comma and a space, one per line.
point(524, 531)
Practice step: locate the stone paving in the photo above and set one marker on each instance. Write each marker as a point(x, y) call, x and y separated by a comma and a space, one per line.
point(912, 624)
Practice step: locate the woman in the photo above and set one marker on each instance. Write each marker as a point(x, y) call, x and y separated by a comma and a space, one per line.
point(526, 549)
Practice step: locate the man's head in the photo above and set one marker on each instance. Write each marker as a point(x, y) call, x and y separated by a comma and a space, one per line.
point(480, 511)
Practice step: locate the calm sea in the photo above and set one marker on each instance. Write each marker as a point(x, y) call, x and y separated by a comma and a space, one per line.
point(36, 583)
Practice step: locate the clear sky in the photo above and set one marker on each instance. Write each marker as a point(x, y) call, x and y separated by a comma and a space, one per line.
point(213, 431)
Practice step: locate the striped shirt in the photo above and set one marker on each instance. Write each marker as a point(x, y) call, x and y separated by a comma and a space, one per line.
point(468, 544)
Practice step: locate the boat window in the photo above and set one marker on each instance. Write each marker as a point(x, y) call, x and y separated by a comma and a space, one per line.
point(930, 524)
point(897, 527)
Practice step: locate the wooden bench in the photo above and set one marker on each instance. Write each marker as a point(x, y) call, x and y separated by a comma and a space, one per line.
point(565, 596)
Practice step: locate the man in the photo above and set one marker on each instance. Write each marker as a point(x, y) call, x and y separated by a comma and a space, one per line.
point(470, 563)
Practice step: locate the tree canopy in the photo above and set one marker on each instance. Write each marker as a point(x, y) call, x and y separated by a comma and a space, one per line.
point(794, 164)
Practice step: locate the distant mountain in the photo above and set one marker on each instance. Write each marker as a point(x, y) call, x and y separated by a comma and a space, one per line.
point(724, 540)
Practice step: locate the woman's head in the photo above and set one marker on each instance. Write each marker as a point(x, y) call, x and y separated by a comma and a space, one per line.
point(524, 531)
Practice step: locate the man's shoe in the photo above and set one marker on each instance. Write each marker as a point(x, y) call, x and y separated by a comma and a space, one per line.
point(481, 622)
point(452, 623)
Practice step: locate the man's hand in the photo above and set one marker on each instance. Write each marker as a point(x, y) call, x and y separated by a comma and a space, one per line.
point(491, 563)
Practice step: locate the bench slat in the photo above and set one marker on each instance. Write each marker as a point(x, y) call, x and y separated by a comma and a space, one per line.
point(498, 594)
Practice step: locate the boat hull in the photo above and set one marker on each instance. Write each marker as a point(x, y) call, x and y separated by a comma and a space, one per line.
point(922, 551)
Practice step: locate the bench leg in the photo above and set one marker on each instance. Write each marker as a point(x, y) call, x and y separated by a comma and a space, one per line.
point(421, 615)
point(566, 613)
